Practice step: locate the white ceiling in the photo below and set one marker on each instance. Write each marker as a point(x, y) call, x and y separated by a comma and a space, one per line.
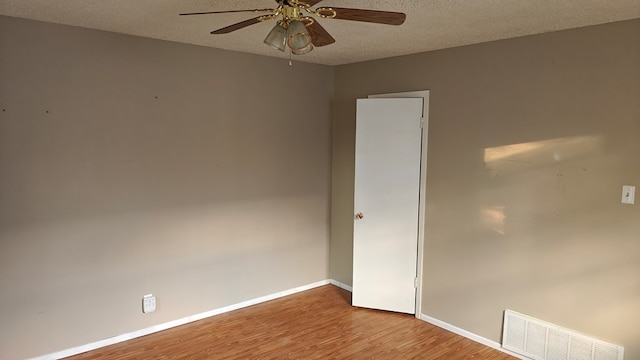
point(430, 24)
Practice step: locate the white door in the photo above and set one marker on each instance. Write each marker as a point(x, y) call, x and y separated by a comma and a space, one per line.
point(386, 202)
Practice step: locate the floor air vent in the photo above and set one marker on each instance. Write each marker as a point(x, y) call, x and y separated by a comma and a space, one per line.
point(544, 341)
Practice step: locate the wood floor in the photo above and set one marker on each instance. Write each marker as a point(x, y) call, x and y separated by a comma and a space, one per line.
point(315, 324)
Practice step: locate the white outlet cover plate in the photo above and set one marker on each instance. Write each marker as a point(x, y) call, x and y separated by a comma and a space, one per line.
point(148, 303)
point(628, 194)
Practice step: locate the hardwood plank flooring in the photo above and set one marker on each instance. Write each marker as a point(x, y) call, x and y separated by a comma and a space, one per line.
point(316, 324)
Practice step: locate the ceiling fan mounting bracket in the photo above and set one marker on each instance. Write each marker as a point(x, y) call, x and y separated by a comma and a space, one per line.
point(307, 20)
point(295, 3)
point(267, 17)
point(291, 13)
point(326, 12)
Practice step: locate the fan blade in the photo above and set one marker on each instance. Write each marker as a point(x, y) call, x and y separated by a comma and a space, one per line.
point(372, 16)
point(228, 11)
point(319, 36)
point(238, 26)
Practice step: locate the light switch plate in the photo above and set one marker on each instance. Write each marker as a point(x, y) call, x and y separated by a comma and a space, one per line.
point(628, 194)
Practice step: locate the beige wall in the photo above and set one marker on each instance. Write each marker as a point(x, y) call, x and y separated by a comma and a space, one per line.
point(131, 166)
point(530, 142)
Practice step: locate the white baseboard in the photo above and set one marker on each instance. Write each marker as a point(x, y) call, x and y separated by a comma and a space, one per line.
point(469, 335)
point(204, 315)
point(441, 324)
point(341, 285)
point(174, 323)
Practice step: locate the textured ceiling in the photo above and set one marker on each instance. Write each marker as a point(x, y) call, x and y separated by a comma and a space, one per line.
point(430, 24)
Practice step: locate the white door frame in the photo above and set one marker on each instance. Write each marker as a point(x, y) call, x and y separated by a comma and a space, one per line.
point(424, 94)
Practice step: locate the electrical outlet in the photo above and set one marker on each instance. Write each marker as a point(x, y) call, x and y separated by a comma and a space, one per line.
point(148, 303)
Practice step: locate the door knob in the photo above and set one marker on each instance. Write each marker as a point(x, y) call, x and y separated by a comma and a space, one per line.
point(359, 216)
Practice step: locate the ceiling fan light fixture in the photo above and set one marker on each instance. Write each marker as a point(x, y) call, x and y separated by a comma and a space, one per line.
point(298, 39)
point(291, 31)
point(304, 50)
point(277, 37)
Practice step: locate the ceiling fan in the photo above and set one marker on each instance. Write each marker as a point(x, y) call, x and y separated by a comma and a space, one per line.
point(300, 32)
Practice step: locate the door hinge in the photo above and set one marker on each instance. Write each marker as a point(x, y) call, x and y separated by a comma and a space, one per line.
point(421, 123)
point(415, 283)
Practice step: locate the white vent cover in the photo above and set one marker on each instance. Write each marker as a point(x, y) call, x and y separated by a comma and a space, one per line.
point(544, 341)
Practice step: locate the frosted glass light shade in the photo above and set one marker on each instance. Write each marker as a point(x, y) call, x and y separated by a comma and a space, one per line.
point(298, 39)
point(277, 37)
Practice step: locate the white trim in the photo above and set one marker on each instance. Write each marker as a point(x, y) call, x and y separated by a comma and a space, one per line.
point(424, 94)
point(469, 335)
point(341, 285)
point(196, 317)
point(179, 322)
